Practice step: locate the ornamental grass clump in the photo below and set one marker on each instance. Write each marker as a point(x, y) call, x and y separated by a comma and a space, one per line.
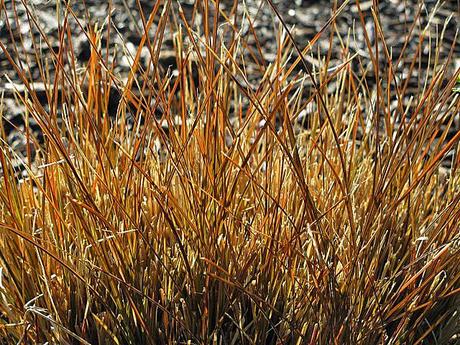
point(227, 199)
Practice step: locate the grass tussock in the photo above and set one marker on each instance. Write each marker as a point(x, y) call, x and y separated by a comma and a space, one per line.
point(203, 211)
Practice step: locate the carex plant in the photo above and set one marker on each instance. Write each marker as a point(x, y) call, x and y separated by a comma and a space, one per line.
point(227, 197)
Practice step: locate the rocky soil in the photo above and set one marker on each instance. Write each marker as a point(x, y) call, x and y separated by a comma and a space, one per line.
point(305, 17)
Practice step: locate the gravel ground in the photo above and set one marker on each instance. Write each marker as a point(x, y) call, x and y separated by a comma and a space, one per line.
point(306, 17)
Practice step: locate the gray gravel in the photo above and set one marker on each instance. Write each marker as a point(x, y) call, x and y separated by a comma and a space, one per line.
point(305, 18)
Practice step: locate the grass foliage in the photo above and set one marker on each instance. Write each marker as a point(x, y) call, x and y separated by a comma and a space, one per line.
point(203, 212)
